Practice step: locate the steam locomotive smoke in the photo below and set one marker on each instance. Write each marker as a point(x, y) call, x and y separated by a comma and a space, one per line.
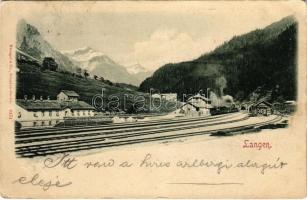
point(221, 83)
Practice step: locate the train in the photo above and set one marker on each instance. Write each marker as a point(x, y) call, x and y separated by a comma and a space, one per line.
point(223, 110)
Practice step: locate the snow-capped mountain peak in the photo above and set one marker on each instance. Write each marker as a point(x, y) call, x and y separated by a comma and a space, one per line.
point(97, 63)
point(85, 54)
point(136, 68)
point(81, 50)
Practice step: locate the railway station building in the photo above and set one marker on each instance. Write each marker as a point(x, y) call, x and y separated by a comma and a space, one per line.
point(47, 113)
point(258, 108)
point(261, 108)
point(197, 105)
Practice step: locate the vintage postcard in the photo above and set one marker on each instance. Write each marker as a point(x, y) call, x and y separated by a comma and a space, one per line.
point(153, 99)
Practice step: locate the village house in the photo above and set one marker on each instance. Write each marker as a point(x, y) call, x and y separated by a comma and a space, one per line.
point(67, 95)
point(290, 106)
point(286, 107)
point(169, 96)
point(156, 96)
point(47, 113)
point(165, 96)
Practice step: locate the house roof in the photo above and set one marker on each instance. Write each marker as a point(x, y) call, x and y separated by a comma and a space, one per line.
point(195, 105)
point(188, 103)
point(292, 102)
point(33, 105)
point(76, 105)
point(172, 94)
point(38, 104)
point(261, 103)
point(70, 93)
point(156, 95)
point(199, 96)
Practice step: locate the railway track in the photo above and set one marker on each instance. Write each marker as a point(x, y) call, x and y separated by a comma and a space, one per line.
point(131, 124)
point(131, 133)
point(86, 141)
point(118, 130)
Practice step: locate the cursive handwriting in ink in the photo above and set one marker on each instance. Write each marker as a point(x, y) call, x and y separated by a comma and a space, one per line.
point(35, 180)
point(65, 161)
point(252, 164)
point(201, 163)
point(148, 162)
point(98, 164)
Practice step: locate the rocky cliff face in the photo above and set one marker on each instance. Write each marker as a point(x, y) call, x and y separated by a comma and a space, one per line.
point(31, 42)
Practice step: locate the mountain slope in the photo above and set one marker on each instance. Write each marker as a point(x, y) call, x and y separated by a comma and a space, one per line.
point(262, 59)
point(97, 63)
point(136, 68)
point(32, 81)
point(30, 41)
point(138, 73)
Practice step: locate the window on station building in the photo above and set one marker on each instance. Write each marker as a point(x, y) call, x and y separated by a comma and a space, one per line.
point(35, 114)
point(43, 113)
point(83, 112)
point(89, 112)
point(50, 123)
point(57, 113)
point(50, 113)
point(19, 115)
point(78, 113)
point(34, 123)
point(43, 123)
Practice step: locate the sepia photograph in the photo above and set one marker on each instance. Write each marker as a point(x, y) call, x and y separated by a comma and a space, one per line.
point(185, 94)
point(110, 85)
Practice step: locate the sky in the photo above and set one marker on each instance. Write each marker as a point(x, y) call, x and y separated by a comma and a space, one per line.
point(151, 34)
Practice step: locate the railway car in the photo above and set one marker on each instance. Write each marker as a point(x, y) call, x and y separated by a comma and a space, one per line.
point(223, 110)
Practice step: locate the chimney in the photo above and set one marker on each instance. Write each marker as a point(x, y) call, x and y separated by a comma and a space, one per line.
point(41, 98)
point(33, 97)
point(48, 98)
point(25, 97)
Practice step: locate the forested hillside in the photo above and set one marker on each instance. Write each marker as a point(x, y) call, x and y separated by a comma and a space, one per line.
point(262, 61)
